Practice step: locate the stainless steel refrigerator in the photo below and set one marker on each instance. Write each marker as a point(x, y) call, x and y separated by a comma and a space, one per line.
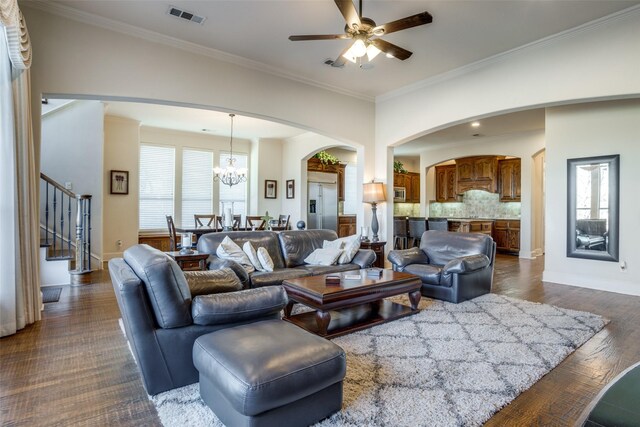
point(322, 202)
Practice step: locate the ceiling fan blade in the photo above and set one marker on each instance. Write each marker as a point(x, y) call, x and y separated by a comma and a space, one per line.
point(404, 23)
point(391, 49)
point(318, 37)
point(349, 12)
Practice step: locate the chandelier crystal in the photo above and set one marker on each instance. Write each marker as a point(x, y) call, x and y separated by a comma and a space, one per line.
point(230, 175)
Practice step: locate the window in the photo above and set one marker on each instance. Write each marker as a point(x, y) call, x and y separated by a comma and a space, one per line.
point(157, 168)
point(350, 189)
point(592, 201)
point(197, 184)
point(235, 197)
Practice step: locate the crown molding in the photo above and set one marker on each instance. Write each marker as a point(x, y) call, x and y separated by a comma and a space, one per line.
point(503, 56)
point(152, 36)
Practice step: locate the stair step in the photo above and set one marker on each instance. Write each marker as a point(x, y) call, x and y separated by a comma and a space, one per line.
point(60, 254)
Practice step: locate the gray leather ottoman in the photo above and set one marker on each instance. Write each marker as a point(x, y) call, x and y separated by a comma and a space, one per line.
point(269, 373)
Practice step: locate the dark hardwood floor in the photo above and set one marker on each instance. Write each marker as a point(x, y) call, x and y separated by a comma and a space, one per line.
point(74, 367)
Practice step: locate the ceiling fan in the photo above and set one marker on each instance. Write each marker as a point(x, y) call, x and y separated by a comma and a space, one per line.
point(365, 33)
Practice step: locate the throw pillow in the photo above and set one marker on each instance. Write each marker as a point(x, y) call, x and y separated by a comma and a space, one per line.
point(252, 255)
point(350, 244)
point(212, 281)
point(265, 260)
point(228, 249)
point(323, 256)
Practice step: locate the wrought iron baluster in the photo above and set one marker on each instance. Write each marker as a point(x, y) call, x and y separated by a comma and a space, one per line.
point(55, 203)
point(61, 225)
point(46, 213)
point(89, 234)
point(69, 226)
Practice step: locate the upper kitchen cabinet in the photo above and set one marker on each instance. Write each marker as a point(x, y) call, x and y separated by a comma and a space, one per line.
point(446, 183)
point(410, 181)
point(509, 180)
point(415, 187)
point(477, 173)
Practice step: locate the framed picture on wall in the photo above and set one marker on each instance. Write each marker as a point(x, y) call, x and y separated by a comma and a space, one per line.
point(270, 189)
point(291, 188)
point(119, 182)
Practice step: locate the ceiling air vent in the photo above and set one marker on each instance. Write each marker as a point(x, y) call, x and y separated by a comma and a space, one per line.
point(188, 16)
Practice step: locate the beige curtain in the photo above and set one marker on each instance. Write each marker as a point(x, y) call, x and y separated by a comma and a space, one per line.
point(20, 298)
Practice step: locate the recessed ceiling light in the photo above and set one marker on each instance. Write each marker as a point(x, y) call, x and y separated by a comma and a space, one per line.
point(475, 124)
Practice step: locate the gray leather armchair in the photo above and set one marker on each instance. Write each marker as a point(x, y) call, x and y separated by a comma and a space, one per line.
point(163, 317)
point(454, 267)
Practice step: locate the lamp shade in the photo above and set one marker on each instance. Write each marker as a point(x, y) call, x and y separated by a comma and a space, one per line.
point(374, 192)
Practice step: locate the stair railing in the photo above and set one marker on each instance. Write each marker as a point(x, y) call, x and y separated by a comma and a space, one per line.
point(59, 206)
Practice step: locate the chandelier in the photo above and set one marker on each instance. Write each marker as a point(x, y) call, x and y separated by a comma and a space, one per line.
point(230, 175)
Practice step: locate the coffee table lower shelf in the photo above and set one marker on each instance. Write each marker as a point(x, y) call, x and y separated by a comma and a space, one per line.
point(347, 320)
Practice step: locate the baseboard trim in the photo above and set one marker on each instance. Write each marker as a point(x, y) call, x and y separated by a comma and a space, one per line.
point(598, 283)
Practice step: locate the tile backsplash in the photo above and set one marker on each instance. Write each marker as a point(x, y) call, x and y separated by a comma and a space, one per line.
point(476, 204)
point(406, 209)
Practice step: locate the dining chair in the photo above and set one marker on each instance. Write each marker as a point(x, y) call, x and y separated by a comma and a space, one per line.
point(283, 221)
point(173, 236)
point(254, 222)
point(235, 225)
point(205, 220)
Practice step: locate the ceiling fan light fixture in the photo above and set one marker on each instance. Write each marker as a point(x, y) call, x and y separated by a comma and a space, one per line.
point(349, 56)
point(388, 55)
point(372, 52)
point(359, 48)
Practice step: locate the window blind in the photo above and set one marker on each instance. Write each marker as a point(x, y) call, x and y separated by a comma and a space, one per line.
point(197, 184)
point(234, 197)
point(157, 169)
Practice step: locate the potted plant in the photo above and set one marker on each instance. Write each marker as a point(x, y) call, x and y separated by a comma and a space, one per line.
point(326, 158)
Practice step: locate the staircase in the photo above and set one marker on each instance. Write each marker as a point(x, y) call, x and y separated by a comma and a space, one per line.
point(65, 234)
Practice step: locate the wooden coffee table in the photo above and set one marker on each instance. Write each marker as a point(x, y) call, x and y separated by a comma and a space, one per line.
point(352, 305)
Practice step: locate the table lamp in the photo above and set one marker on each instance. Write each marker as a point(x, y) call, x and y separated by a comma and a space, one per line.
point(374, 193)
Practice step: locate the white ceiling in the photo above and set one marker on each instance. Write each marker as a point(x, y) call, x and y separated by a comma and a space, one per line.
point(195, 120)
point(462, 32)
point(523, 121)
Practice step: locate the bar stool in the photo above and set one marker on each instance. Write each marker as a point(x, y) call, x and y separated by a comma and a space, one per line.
point(417, 226)
point(400, 237)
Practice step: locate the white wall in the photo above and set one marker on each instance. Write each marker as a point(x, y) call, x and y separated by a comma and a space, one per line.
point(598, 61)
point(583, 131)
point(121, 152)
point(295, 153)
point(77, 58)
point(270, 166)
point(524, 145)
point(71, 151)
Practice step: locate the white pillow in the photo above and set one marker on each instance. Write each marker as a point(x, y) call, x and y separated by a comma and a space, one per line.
point(350, 244)
point(228, 249)
point(248, 249)
point(323, 256)
point(265, 259)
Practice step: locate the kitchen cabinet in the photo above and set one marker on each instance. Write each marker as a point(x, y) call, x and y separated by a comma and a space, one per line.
point(346, 225)
point(509, 179)
point(341, 169)
point(415, 187)
point(506, 234)
point(410, 181)
point(446, 183)
point(471, 226)
point(477, 173)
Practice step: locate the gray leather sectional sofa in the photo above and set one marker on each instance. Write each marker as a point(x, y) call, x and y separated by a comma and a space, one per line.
point(287, 249)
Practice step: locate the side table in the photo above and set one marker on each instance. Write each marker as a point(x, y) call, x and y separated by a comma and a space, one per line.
point(378, 249)
point(192, 261)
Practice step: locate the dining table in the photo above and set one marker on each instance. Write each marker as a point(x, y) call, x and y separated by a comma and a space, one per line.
point(204, 229)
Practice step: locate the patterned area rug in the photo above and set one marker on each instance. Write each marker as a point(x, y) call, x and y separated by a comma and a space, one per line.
point(449, 365)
